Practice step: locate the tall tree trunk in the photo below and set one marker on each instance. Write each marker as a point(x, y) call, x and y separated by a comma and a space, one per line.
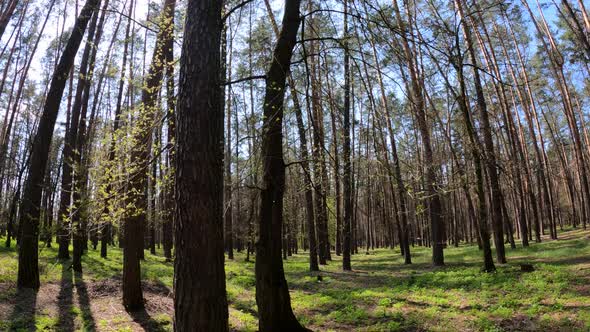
point(272, 292)
point(316, 119)
point(417, 101)
point(199, 279)
point(81, 107)
point(227, 195)
point(307, 183)
point(347, 173)
point(28, 267)
point(490, 156)
point(168, 222)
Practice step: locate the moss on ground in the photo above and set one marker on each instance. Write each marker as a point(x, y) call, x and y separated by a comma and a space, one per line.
point(381, 294)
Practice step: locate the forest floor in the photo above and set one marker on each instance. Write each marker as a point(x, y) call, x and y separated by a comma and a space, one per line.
point(381, 294)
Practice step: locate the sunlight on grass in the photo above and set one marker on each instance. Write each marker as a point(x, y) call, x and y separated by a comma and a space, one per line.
point(381, 294)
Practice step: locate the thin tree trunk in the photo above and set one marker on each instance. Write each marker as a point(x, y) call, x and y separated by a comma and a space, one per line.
point(347, 172)
point(490, 156)
point(272, 293)
point(28, 267)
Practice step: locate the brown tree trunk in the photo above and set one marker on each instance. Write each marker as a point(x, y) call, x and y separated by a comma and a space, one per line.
point(199, 279)
point(347, 172)
point(417, 101)
point(6, 14)
point(272, 292)
point(490, 156)
point(28, 267)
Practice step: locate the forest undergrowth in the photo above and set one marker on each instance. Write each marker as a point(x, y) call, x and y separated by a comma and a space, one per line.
point(380, 294)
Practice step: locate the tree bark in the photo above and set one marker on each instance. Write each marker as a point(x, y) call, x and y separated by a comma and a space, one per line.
point(199, 284)
point(272, 293)
point(28, 267)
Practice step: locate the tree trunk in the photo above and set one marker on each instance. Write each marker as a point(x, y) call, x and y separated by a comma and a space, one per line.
point(272, 293)
point(307, 183)
point(417, 100)
point(168, 222)
point(6, 15)
point(78, 184)
point(199, 285)
point(490, 156)
point(227, 195)
point(135, 220)
point(347, 173)
point(28, 267)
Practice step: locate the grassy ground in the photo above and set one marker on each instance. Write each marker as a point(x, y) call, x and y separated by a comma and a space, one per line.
point(381, 294)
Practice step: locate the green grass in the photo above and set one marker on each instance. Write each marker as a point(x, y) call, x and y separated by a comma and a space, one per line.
point(381, 294)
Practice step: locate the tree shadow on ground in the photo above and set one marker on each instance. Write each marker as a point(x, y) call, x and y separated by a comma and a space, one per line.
point(68, 311)
point(84, 301)
point(22, 317)
point(147, 322)
point(65, 299)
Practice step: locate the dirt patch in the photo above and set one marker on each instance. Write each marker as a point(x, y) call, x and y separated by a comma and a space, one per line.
point(518, 323)
point(583, 290)
point(72, 305)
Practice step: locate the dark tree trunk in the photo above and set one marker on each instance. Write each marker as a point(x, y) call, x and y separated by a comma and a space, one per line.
point(135, 222)
point(28, 267)
point(227, 195)
point(6, 15)
point(272, 292)
point(167, 223)
point(307, 183)
point(199, 284)
point(80, 107)
point(70, 154)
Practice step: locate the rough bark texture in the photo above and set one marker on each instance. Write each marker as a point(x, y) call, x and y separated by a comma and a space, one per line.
point(272, 293)
point(199, 284)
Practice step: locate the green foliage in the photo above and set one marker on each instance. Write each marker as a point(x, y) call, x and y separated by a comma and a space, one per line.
point(381, 294)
